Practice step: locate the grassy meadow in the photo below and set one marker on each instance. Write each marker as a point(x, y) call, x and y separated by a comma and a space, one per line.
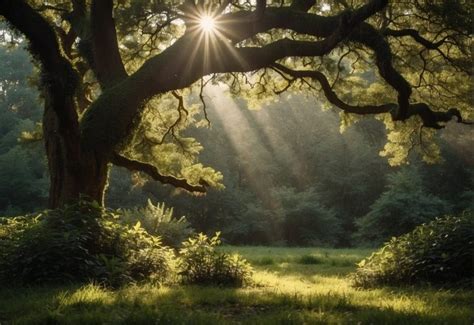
point(291, 286)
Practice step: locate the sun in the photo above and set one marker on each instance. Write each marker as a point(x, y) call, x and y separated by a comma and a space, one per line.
point(207, 23)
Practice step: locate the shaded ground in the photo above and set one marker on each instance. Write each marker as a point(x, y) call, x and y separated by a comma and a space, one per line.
point(292, 286)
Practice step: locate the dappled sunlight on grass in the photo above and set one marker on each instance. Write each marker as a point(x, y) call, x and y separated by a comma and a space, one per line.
point(284, 292)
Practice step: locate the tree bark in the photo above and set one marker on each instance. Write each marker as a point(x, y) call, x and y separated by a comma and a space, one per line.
point(74, 172)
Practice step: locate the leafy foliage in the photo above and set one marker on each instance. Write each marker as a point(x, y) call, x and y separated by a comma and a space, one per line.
point(254, 224)
point(305, 220)
point(80, 242)
point(200, 263)
point(404, 205)
point(438, 252)
point(172, 152)
point(11, 230)
point(158, 220)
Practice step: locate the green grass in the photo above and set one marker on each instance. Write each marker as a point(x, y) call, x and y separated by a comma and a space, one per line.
point(287, 290)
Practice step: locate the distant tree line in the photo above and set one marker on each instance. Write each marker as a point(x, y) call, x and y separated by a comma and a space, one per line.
point(291, 179)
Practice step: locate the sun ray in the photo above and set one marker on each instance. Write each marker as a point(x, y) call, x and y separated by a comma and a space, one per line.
point(238, 130)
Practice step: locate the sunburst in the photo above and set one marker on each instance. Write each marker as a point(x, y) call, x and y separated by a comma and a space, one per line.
point(207, 23)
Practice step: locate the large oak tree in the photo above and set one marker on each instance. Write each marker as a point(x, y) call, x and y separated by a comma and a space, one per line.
point(117, 77)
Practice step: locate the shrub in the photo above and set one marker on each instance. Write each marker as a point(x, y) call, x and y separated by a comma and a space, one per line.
point(158, 220)
point(78, 243)
point(11, 230)
point(200, 263)
point(438, 252)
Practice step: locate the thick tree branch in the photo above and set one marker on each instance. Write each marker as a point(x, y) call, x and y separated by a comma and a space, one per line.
point(153, 172)
point(181, 70)
point(107, 63)
point(76, 18)
point(319, 26)
point(370, 37)
point(236, 27)
point(174, 69)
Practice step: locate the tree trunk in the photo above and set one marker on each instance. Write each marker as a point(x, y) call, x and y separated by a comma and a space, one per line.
point(74, 171)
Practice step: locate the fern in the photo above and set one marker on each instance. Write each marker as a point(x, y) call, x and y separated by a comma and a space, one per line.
point(159, 220)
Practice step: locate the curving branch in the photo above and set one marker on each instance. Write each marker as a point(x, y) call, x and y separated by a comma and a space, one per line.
point(367, 35)
point(154, 173)
point(182, 115)
point(413, 33)
point(332, 97)
point(430, 118)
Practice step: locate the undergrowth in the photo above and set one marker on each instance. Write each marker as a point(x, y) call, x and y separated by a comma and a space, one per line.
point(80, 242)
point(439, 252)
point(83, 242)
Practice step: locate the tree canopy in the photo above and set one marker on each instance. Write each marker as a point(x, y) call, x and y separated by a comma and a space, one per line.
point(121, 78)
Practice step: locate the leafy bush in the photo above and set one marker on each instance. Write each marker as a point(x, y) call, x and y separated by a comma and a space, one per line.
point(438, 252)
point(11, 230)
point(80, 242)
point(158, 220)
point(200, 263)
